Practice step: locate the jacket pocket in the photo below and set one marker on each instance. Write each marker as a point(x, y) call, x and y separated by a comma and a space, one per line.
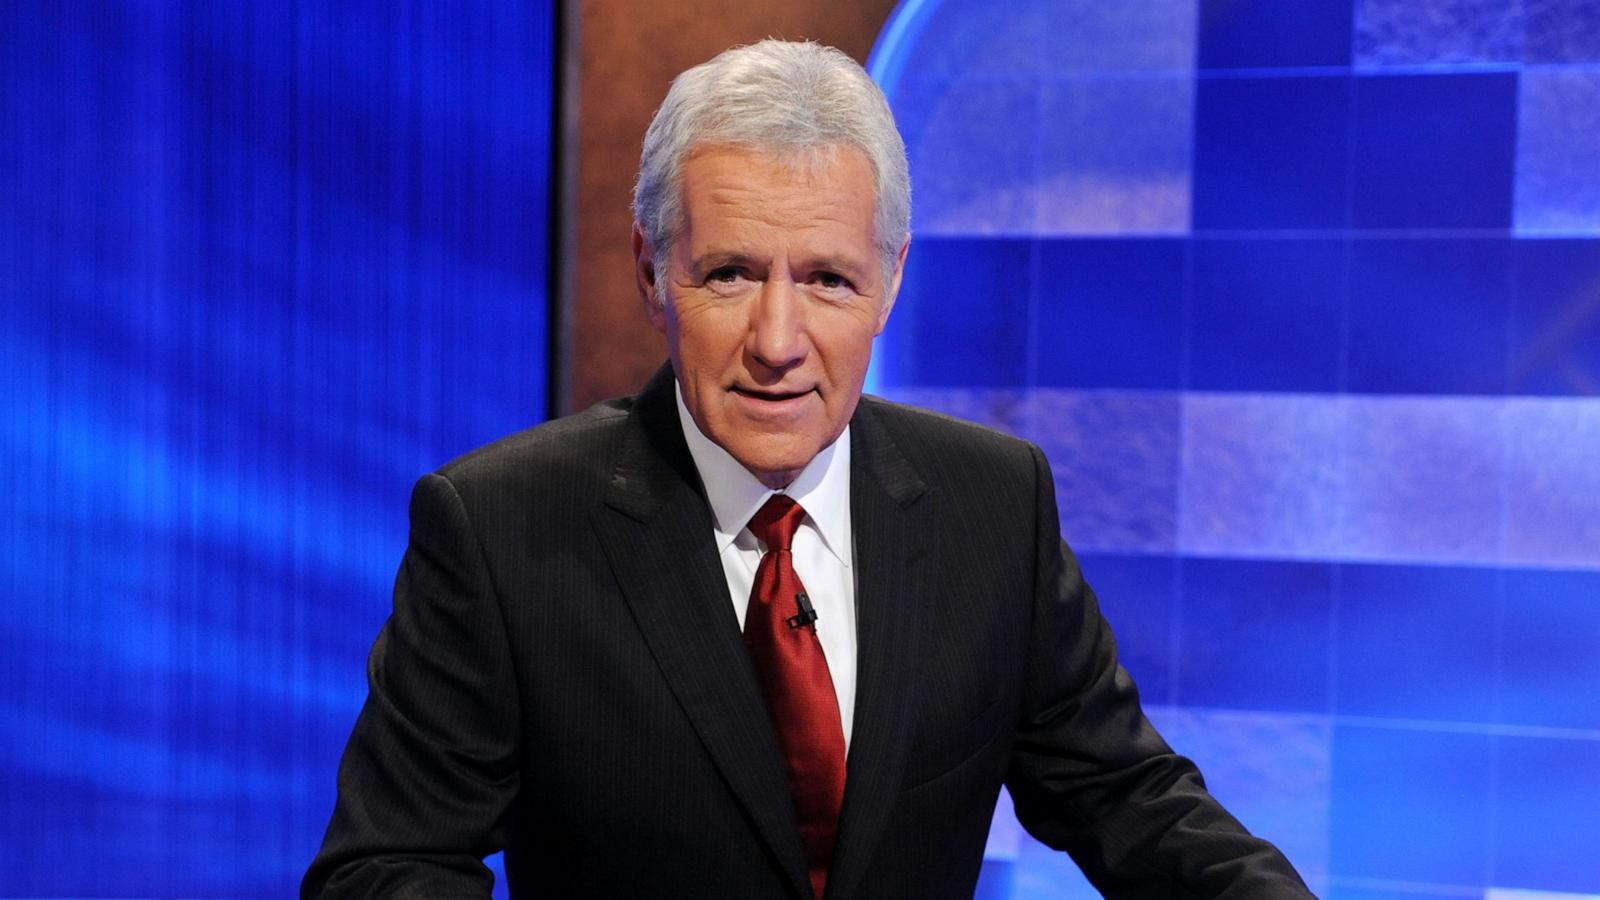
point(933, 755)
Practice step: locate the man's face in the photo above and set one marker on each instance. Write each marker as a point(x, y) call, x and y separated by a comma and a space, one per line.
point(772, 295)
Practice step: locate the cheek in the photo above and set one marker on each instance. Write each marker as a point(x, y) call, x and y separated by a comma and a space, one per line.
point(711, 340)
point(852, 348)
point(696, 352)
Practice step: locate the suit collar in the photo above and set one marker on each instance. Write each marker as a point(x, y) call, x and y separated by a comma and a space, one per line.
point(881, 459)
point(653, 464)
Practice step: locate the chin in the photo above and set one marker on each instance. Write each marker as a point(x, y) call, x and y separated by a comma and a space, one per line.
point(766, 463)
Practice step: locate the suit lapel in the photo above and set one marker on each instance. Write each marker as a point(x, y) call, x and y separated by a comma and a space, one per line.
point(657, 534)
point(890, 528)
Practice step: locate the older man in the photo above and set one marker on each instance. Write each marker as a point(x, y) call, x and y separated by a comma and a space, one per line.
point(750, 634)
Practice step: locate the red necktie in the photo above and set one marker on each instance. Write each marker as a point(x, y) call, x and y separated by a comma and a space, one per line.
point(796, 684)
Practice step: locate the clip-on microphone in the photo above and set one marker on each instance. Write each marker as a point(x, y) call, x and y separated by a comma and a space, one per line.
point(807, 615)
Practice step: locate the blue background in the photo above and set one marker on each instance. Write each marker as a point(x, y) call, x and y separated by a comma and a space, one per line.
point(261, 265)
point(1302, 300)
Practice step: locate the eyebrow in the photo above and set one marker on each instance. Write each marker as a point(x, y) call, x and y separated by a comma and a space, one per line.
point(839, 264)
point(714, 260)
point(717, 259)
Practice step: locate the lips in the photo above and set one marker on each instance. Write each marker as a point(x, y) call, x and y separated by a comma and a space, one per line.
point(770, 396)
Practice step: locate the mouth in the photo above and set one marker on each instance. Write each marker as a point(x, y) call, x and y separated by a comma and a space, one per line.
point(774, 406)
point(769, 396)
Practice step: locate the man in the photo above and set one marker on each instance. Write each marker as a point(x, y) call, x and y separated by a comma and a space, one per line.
point(750, 634)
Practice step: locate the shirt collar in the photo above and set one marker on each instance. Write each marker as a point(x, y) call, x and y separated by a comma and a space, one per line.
point(822, 487)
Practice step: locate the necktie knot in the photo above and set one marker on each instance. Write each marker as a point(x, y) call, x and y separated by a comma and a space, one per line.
point(775, 523)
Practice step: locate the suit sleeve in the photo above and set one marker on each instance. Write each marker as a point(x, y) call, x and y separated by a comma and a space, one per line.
point(1090, 775)
point(431, 767)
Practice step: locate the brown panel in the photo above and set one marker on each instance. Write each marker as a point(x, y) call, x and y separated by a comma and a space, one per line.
point(627, 52)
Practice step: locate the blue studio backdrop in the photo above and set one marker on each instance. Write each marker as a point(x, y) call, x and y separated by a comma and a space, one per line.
point(1302, 299)
point(1303, 302)
point(261, 265)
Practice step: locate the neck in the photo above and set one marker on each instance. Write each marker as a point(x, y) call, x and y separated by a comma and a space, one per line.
point(776, 481)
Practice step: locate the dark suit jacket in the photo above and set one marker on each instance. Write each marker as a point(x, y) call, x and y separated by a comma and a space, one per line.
point(563, 675)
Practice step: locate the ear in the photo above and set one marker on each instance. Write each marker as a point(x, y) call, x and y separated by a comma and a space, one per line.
point(892, 289)
point(645, 278)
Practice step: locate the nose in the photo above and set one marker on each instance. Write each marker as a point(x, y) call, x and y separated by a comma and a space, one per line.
point(777, 338)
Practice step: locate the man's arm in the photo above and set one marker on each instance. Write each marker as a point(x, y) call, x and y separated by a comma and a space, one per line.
point(1090, 775)
point(430, 769)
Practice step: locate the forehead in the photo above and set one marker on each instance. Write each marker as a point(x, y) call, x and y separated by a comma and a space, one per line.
point(763, 191)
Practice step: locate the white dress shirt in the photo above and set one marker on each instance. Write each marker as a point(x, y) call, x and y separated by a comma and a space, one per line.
point(823, 552)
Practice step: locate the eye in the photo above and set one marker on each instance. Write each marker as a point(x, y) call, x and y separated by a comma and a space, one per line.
point(833, 283)
point(727, 280)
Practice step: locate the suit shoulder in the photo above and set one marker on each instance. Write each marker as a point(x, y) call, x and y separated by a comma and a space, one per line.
point(580, 446)
point(944, 440)
point(996, 485)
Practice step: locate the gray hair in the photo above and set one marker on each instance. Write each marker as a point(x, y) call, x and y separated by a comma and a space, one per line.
point(798, 98)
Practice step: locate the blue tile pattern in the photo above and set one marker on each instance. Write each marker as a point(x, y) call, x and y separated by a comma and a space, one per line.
point(1116, 476)
point(1406, 635)
point(1114, 154)
point(980, 337)
point(1303, 303)
point(1548, 642)
point(1555, 318)
point(1136, 284)
point(1558, 152)
point(1098, 37)
point(1416, 32)
point(1261, 475)
point(974, 184)
point(1272, 153)
point(1419, 138)
point(1084, 36)
point(1552, 483)
point(1244, 627)
point(1428, 316)
point(1442, 504)
point(1267, 315)
point(1262, 34)
point(1410, 805)
point(1555, 783)
point(1562, 31)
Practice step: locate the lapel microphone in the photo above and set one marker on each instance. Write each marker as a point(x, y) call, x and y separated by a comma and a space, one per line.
point(807, 615)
